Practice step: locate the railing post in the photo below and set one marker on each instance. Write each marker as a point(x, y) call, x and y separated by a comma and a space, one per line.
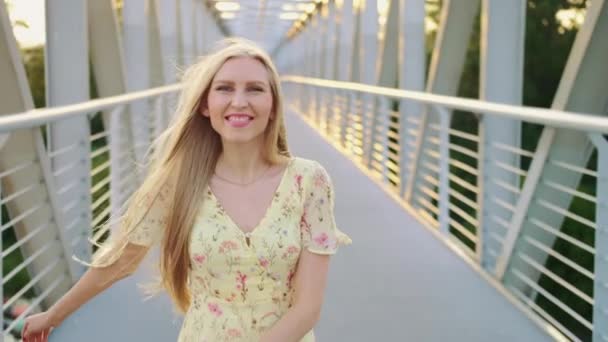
point(385, 112)
point(444, 170)
point(115, 141)
point(1, 270)
point(482, 177)
point(600, 291)
point(345, 116)
point(369, 120)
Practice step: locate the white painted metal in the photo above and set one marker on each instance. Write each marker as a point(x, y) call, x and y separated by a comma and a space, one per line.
point(329, 52)
point(579, 121)
point(106, 51)
point(187, 34)
point(437, 215)
point(444, 169)
point(346, 23)
point(578, 92)
point(344, 56)
point(447, 61)
point(196, 33)
point(356, 66)
point(157, 75)
point(412, 66)
point(369, 42)
point(387, 69)
point(600, 289)
point(67, 81)
point(501, 80)
point(19, 148)
point(169, 38)
point(368, 67)
point(1, 265)
point(42, 116)
point(30, 212)
point(137, 36)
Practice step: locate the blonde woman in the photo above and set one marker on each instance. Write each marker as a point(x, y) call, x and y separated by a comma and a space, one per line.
point(245, 229)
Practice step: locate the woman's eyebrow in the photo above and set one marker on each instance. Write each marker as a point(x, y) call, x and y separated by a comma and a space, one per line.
point(248, 82)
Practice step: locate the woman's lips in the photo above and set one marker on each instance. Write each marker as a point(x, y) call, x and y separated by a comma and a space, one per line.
point(238, 120)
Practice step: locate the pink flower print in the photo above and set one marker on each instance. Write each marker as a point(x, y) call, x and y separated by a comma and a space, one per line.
point(322, 240)
point(241, 285)
point(241, 280)
point(299, 181)
point(304, 225)
point(234, 333)
point(199, 258)
point(263, 262)
point(290, 251)
point(319, 179)
point(230, 245)
point(215, 309)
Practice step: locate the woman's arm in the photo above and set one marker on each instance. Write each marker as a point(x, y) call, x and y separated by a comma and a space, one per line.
point(96, 280)
point(309, 281)
point(37, 327)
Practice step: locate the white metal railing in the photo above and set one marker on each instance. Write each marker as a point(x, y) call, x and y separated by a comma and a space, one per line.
point(535, 223)
point(53, 194)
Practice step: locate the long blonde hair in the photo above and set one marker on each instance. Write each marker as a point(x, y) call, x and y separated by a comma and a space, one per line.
point(184, 159)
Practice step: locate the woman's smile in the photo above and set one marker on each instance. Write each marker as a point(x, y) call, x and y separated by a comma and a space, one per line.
point(238, 120)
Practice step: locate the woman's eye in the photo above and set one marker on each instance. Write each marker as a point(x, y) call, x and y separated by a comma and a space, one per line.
point(223, 88)
point(256, 89)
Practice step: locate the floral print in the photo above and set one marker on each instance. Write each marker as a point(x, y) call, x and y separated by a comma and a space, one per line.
point(241, 284)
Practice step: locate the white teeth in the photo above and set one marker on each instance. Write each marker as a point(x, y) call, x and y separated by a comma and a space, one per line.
point(238, 118)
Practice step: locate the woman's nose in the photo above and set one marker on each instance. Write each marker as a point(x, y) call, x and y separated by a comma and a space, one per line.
point(239, 99)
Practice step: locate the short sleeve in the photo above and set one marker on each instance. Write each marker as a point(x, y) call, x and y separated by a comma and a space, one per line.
point(150, 217)
point(142, 225)
point(320, 234)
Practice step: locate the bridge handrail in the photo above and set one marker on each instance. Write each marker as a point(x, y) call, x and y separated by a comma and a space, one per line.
point(551, 117)
point(36, 117)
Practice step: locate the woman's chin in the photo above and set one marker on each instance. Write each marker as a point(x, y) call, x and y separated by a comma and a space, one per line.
point(241, 139)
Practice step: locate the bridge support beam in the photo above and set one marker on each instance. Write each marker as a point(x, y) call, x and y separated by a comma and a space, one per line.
point(67, 82)
point(411, 77)
point(447, 62)
point(186, 13)
point(41, 228)
point(561, 157)
point(386, 75)
point(108, 62)
point(369, 50)
point(501, 80)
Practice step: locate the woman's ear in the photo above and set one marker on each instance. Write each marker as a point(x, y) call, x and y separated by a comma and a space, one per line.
point(203, 109)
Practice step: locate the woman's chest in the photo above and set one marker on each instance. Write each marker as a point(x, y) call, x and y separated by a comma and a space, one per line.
point(218, 245)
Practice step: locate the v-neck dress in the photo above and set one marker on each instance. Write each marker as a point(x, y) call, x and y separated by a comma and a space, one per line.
point(241, 283)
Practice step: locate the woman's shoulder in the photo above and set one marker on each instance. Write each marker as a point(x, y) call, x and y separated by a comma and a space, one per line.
point(311, 171)
point(307, 166)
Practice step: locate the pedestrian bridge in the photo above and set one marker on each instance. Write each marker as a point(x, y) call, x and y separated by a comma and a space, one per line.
point(462, 230)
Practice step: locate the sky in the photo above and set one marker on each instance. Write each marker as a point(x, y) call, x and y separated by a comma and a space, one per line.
point(31, 12)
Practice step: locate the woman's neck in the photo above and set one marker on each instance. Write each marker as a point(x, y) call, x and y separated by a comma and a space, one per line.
point(241, 162)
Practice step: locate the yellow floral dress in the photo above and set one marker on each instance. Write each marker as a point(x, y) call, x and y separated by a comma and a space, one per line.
point(241, 283)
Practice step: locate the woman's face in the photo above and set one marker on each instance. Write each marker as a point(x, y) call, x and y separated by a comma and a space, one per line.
point(239, 102)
